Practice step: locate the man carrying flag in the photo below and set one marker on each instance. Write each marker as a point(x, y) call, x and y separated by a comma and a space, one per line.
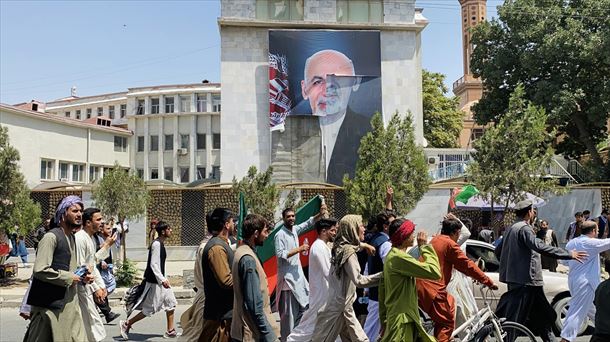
point(292, 287)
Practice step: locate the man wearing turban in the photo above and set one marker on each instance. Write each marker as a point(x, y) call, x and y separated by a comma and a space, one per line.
point(55, 312)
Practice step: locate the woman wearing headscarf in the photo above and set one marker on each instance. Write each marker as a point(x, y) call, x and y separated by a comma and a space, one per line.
point(398, 310)
point(337, 316)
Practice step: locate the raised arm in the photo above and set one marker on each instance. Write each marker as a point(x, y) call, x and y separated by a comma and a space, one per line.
point(530, 240)
point(428, 268)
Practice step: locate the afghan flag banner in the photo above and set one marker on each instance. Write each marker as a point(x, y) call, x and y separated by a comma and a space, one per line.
point(266, 252)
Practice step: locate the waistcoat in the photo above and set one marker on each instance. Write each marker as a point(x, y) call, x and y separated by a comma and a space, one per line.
point(218, 300)
point(47, 295)
point(149, 276)
point(375, 264)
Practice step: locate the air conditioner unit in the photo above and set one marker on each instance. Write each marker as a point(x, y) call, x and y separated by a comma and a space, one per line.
point(182, 151)
point(433, 160)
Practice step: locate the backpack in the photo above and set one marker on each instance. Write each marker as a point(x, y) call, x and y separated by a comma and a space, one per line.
point(132, 295)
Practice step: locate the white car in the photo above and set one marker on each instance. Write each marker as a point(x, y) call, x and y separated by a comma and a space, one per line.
point(555, 284)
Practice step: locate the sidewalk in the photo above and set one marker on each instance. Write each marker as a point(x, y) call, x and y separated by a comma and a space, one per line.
point(11, 295)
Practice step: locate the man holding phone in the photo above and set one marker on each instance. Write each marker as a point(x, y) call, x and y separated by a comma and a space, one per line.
point(103, 243)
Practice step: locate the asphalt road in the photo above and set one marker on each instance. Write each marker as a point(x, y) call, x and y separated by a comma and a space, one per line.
point(12, 327)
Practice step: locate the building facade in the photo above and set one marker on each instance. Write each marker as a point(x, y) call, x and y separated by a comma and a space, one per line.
point(244, 30)
point(176, 128)
point(54, 148)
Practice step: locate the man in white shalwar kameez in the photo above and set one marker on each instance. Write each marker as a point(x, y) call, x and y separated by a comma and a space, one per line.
point(86, 255)
point(191, 320)
point(319, 266)
point(583, 279)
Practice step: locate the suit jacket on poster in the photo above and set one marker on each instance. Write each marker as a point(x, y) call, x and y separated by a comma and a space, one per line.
point(345, 152)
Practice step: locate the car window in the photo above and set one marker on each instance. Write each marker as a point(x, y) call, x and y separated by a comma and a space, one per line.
point(486, 254)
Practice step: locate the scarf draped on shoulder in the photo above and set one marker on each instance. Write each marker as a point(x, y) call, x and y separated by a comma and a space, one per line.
point(346, 242)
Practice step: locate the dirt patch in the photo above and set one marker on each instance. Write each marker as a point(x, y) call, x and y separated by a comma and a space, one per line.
point(175, 281)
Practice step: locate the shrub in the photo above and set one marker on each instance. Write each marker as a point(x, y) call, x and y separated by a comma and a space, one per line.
point(126, 273)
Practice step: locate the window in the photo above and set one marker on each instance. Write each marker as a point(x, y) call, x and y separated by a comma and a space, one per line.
point(216, 141)
point(216, 103)
point(154, 107)
point(201, 141)
point(185, 104)
point(154, 173)
point(111, 112)
point(201, 173)
point(216, 172)
point(169, 104)
point(184, 141)
point(477, 133)
point(140, 107)
point(88, 113)
point(140, 144)
point(120, 144)
point(123, 110)
point(67, 114)
point(140, 173)
point(46, 169)
point(63, 171)
point(154, 143)
point(100, 111)
point(94, 173)
point(184, 175)
point(475, 252)
point(78, 114)
point(168, 173)
point(169, 142)
point(279, 9)
point(359, 11)
point(202, 103)
point(78, 172)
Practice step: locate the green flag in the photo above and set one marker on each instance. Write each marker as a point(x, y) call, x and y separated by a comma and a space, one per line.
point(243, 212)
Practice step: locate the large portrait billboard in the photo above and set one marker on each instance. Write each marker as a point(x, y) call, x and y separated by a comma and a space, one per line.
point(333, 75)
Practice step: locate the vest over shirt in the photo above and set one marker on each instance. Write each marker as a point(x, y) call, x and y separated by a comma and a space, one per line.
point(218, 300)
point(149, 275)
point(243, 327)
point(375, 263)
point(49, 295)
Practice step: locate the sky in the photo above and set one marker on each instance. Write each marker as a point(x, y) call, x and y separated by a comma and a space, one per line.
point(46, 47)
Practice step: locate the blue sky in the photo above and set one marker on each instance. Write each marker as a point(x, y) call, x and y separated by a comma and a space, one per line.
point(46, 47)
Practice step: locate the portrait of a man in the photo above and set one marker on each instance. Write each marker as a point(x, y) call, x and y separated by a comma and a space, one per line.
point(333, 75)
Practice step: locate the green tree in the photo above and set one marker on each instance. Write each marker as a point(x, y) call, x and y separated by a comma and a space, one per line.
point(388, 156)
point(261, 194)
point(17, 209)
point(442, 116)
point(121, 194)
point(512, 154)
point(559, 51)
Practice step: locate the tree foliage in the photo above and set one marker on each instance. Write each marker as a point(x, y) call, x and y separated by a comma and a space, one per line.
point(559, 51)
point(442, 116)
point(121, 194)
point(512, 154)
point(388, 156)
point(17, 209)
point(261, 194)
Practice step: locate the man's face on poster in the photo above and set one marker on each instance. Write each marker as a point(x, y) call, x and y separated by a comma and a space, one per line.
point(328, 95)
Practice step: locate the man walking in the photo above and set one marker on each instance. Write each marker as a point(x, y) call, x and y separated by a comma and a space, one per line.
point(90, 294)
point(217, 258)
point(521, 269)
point(583, 279)
point(319, 267)
point(432, 294)
point(574, 228)
point(253, 320)
point(55, 314)
point(292, 287)
point(103, 244)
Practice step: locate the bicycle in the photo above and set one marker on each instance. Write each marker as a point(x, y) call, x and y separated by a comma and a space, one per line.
point(485, 326)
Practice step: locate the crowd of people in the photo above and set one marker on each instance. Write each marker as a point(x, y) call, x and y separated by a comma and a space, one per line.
point(73, 275)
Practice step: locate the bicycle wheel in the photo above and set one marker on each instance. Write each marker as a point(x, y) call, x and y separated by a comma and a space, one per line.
point(511, 331)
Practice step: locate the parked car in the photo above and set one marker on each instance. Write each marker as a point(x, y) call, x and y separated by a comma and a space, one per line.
point(555, 284)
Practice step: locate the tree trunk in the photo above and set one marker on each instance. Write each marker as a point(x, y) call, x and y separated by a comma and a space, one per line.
point(585, 139)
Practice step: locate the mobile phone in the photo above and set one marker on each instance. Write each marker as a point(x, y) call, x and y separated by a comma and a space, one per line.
point(114, 230)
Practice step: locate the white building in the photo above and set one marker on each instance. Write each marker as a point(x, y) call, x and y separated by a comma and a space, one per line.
point(55, 148)
point(244, 27)
point(176, 128)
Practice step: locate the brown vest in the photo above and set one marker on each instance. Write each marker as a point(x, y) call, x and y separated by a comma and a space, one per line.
point(243, 327)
